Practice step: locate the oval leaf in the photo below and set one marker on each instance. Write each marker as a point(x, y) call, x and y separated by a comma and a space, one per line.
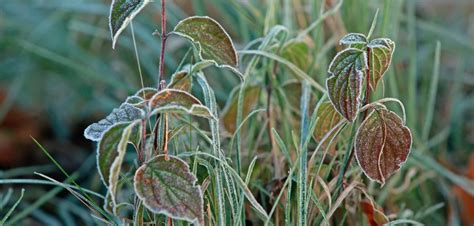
point(174, 100)
point(125, 113)
point(380, 55)
point(168, 187)
point(327, 119)
point(382, 144)
point(353, 38)
point(211, 39)
point(121, 13)
point(345, 84)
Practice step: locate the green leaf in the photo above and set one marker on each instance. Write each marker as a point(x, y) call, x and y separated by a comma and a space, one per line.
point(174, 100)
point(353, 38)
point(107, 149)
point(122, 13)
point(168, 187)
point(210, 39)
point(345, 84)
point(382, 144)
point(380, 55)
point(116, 167)
point(327, 119)
point(297, 52)
point(125, 113)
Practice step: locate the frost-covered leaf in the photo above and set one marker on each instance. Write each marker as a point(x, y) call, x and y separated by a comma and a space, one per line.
point(380, 56)
point(181, 80)
point(229, 114)
point(327, 119)
point(210, 38)
point(107, 149)
point(121, 13)
point(120, 149)
point(345, 84)
point(125, 113)
point(168, 187)
point(353, 38)
point(382, 144)
point(174, 100)
point(146, 93)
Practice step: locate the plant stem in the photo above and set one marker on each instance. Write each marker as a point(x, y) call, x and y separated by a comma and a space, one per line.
point(164, 36)
point(161, 82)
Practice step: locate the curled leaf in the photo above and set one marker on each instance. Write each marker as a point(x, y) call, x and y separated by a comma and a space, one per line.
point(125, 113)
point(353, 38)
point(210, 38)
point(345, 84)
point(107, 149)
point(121, 13)
point(327, 119)
point(380, 54)
point(382, 144)
point(168, 187)
point(120, 149)
point(174, 100)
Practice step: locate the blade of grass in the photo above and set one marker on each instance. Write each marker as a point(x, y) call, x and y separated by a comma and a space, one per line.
point(303, 156)
point(430, 108)
point(96, 207)
point(5, 218)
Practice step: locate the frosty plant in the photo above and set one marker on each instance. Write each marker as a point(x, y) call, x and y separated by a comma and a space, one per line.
point(163, 182)
point(382, 142)
point(161, 186)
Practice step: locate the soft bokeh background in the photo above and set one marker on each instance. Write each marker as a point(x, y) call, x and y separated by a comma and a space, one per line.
point(58, 73)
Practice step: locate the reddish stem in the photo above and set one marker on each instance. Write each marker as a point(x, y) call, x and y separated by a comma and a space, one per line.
point(161, 81)
point(164, 36)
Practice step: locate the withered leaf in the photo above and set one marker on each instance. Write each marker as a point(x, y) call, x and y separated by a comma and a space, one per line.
point(327, 119)
point(229, 113)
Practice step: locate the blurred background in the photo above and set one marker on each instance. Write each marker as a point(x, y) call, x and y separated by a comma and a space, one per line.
point(58, 74)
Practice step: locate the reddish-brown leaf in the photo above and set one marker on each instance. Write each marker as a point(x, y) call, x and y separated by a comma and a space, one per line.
point(382, 144)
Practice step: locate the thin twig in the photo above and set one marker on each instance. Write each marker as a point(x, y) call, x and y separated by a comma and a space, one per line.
point(164, 36)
